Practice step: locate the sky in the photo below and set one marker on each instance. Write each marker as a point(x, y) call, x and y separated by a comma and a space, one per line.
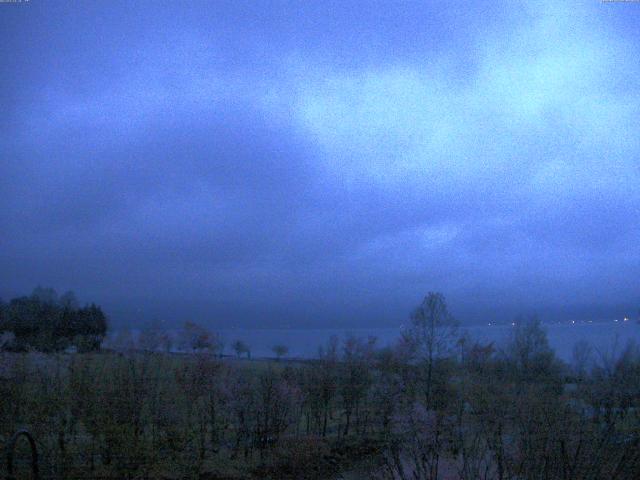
point(297, 164)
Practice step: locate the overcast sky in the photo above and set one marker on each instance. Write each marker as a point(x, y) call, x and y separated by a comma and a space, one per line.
point(318, 163)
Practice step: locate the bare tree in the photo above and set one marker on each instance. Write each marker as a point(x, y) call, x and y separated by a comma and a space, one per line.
point(241, 348)
point(276, 407)
point(280, 351)
point(432, 336)
point(150, 337)
point(197, 338)
point(532, 358)
point(355, 376)
point(582, 359)
point(421, 440)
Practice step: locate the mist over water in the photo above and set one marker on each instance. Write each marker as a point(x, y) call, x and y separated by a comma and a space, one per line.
point(604, 338)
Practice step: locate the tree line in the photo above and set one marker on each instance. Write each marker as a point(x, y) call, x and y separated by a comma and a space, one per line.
point(47, 322)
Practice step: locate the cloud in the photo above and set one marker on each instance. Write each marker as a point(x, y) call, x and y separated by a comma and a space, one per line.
point(322, 164)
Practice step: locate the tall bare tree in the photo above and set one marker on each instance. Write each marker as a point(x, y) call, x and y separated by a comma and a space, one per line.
point(432, 335)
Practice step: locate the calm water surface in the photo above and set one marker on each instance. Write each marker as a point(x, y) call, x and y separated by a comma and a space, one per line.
point(603, 337)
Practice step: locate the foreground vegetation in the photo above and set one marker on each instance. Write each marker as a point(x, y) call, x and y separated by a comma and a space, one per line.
point(435, 406)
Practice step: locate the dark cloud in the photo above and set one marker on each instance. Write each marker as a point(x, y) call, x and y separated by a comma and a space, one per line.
point(321, 163)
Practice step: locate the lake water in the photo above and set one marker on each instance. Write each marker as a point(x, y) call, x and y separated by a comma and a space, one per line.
point(603, 337)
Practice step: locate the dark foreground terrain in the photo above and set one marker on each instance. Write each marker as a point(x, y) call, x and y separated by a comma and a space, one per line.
point(355, 412)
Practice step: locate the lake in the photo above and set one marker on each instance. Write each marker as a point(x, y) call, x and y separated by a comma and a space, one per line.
point(603, 337)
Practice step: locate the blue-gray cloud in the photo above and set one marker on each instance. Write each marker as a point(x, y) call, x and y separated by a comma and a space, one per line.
point(297, 163)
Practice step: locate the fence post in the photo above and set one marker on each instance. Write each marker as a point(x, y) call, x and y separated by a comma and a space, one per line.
point(11, 445)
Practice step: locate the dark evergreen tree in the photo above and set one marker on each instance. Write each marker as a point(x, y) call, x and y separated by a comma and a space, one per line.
point(46, 323)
